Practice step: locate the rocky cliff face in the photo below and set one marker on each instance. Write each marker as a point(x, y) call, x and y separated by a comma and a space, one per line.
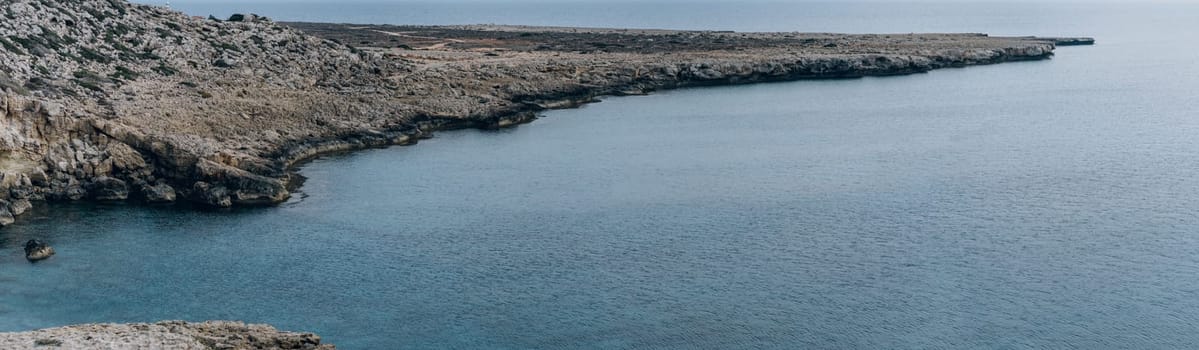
point(93, 94)
point(105, 100)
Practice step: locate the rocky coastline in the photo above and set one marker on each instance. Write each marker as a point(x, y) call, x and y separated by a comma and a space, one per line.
point(106, 100)
point(180, 335)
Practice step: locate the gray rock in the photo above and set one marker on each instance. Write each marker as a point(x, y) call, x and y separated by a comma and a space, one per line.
point(215, 196)
point(36, 250)
point(109, 189)
point(19, 206)
point(6, 217)
point(158, 193)
point(22, 192)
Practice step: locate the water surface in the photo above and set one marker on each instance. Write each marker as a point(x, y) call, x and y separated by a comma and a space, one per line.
point(1046, 204)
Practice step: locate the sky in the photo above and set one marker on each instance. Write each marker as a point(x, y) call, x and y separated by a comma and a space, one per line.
point(658, 1)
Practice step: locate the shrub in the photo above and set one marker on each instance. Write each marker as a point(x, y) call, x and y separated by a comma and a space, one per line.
point(93, 55)
point(124, 73)
point(165, 70)
point(10, 47)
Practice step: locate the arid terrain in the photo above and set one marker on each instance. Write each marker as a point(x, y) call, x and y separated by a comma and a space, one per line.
point(106, 100)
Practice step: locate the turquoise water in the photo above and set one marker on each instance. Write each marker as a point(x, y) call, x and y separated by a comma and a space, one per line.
point(1045, 204)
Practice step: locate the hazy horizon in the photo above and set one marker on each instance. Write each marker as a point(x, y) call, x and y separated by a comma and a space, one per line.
point(659, 1)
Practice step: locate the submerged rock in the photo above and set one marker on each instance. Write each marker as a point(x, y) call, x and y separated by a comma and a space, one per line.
point(36, 250)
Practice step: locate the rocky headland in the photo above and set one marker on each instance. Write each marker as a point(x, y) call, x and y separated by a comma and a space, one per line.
point(212, 335)
point(110, 101)
point(107, 100)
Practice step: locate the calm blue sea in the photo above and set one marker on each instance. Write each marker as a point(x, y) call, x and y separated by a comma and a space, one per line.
point(1049, 204)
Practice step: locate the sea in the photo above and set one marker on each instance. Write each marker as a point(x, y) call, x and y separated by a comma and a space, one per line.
point(1034, 205)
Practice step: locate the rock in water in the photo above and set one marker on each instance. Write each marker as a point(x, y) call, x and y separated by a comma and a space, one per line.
point(19, 206)
point(6, 213)
point(159, 193)
point(110, 189)
point(6, 218)
point(37, 250)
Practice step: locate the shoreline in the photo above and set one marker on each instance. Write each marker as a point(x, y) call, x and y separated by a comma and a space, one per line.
point(140, 103)
point(407, 136)
point(221, 112)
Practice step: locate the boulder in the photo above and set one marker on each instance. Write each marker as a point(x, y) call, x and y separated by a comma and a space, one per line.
point(124, 157)
point(36, 250)
point(19, 206)
point(6, 217)
point(158, 193)
point(9, 209)
point(109, 189)
point(225, 62)
point(22, 192)
point(215, 196)
point(238, 186)
point(65, 189)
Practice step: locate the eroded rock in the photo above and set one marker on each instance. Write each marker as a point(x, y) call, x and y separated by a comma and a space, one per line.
point(212, 195)
point(109, 189)
point(6, 215)
point(158, 193)
point(36, 250)
point(19, 206)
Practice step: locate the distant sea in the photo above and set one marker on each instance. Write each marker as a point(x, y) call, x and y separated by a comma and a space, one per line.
point(1034, 205)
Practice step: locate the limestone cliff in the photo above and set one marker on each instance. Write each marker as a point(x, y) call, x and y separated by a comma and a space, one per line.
point(106, 100)
point(102, 99)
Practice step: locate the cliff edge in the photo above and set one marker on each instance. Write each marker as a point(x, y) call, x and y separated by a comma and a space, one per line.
point(107, 100)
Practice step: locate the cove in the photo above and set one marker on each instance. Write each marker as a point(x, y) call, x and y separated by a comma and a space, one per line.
point(1025, 204)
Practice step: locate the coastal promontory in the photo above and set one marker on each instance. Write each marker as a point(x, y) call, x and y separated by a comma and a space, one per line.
point(107, 100)
point(104, 100)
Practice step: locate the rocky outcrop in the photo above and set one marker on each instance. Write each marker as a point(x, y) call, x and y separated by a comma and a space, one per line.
point(163, 335)
point(158, 193)
point(105, 188)
point(91, 91)
point(107, 100)
point(36, 250)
